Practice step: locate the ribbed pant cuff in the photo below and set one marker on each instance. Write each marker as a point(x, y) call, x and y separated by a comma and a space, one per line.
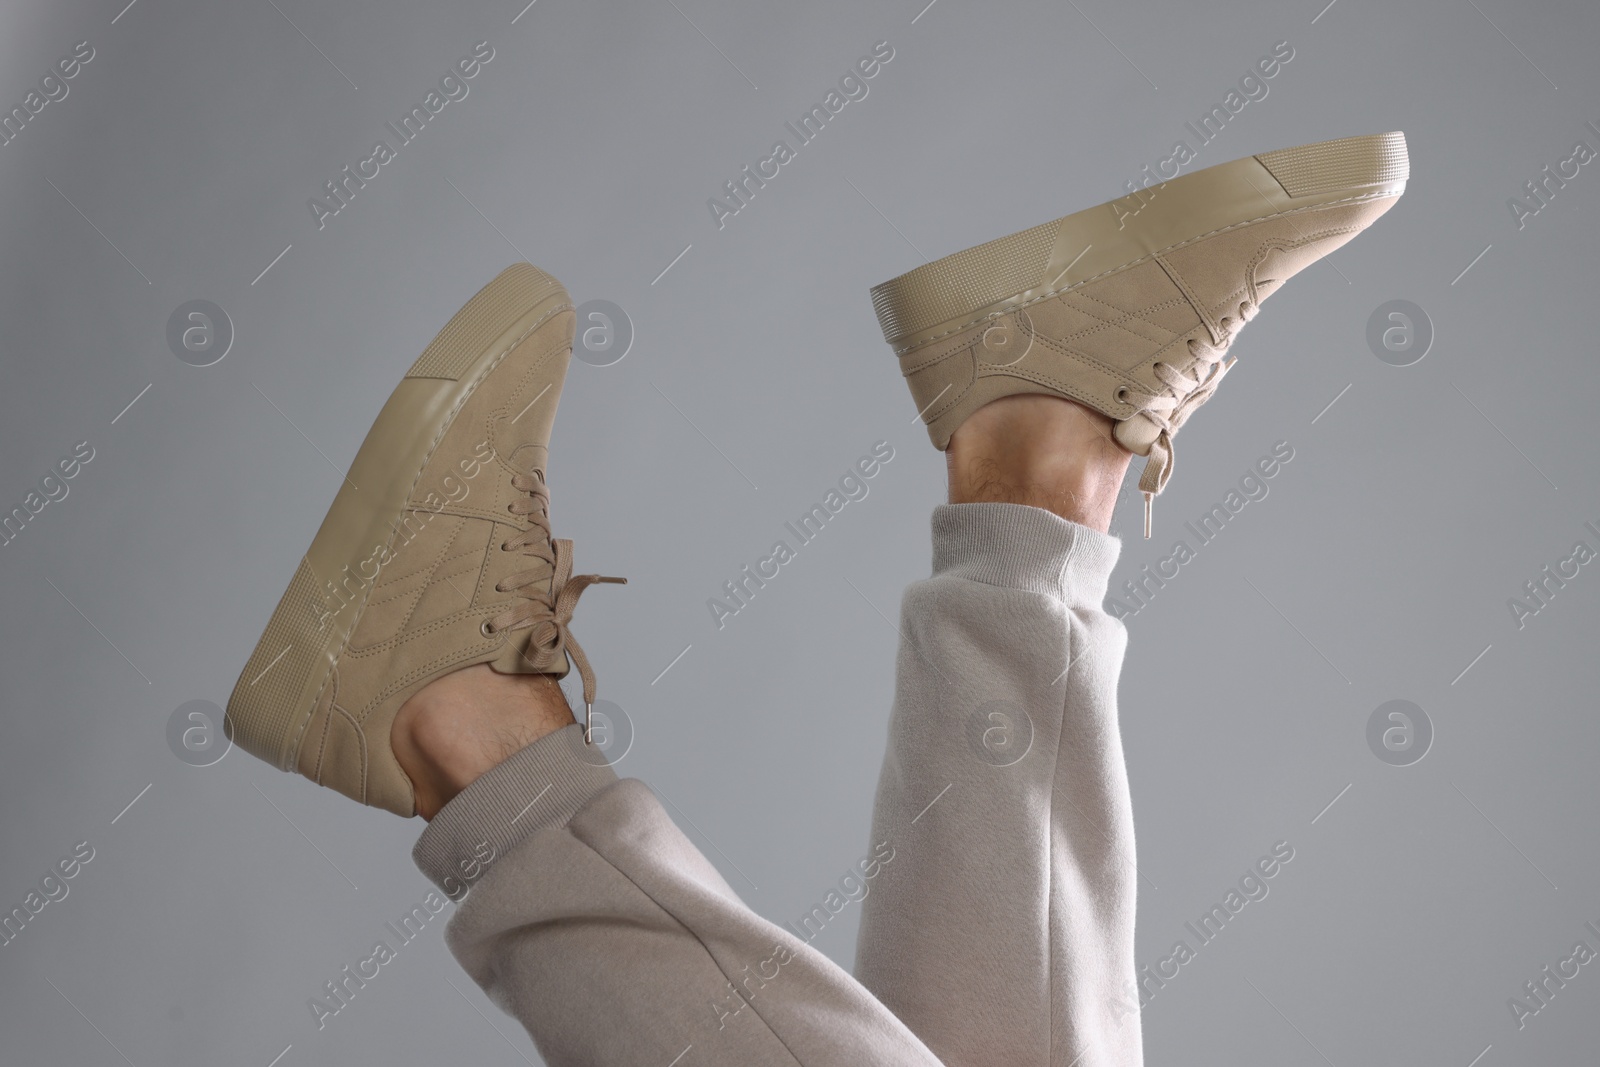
point(542, 785)
point(1019, 547)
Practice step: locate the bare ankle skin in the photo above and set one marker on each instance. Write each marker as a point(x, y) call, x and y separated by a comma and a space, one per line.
point(458, 727)
point(1041, 451)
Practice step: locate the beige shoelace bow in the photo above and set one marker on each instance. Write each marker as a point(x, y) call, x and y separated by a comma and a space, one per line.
point(546, 613)
point(1185, 392)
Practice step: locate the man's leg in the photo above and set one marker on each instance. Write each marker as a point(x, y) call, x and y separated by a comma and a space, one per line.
point(1006, 936)
point(588, 916)
point(1002, 931)
point(411, 665)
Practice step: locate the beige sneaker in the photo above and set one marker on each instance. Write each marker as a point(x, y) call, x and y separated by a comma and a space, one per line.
point(436, 554)
point(1129, 307)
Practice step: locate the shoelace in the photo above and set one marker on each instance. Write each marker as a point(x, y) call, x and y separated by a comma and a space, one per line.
point(1185, 392)
point(546, 613)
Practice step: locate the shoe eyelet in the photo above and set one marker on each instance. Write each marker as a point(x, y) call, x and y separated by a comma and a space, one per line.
point(1122, 394)
point(485, 628)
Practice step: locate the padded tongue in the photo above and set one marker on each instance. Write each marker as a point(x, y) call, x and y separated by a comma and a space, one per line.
point(518, 656)
point(511, 659)
point(1136, 434)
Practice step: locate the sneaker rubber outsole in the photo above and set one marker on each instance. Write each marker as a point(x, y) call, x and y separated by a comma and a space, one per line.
point(961, 290)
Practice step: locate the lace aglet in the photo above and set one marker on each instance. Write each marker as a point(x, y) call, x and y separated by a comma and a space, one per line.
point(1149, 506)
point(588, 723)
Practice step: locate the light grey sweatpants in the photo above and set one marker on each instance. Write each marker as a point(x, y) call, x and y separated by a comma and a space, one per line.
point(998, 932)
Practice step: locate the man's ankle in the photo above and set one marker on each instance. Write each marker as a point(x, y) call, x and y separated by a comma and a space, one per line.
point(1041, 451)
point(460, 726)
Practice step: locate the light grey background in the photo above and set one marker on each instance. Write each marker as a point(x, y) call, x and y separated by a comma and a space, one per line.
point(1378, 568)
